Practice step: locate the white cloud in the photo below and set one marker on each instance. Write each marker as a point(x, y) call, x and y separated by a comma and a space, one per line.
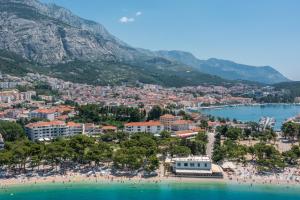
point(126, 19)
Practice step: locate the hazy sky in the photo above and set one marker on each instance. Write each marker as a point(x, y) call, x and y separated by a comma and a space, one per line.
point(254, 32)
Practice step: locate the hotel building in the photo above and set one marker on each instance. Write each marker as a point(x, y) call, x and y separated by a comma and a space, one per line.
point(154, 127)
point(44, 131)
point(200, 166)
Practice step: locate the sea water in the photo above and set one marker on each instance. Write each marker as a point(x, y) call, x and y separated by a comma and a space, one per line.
point(160, 191)
point(280, 112)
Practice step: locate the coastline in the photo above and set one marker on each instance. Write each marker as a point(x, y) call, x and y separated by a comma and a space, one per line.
point(71, 180)
point(237, 105)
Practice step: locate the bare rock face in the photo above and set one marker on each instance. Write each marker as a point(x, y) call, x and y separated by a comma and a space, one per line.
point(49, 34)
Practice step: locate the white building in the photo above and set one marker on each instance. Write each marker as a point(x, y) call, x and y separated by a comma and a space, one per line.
point(49, 114)
point(167, 120)
point(91, 129)
point(154, 127)
point(51, 130)
point(181, 125)
point(195, 166)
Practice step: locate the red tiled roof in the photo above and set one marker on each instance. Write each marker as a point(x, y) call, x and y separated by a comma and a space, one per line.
point(180, 122)
point(73, 124)
point(62, 117)
point(109, 128)
point(46, 111)
point(168, 116)
point(150, 123)
point(43, 124)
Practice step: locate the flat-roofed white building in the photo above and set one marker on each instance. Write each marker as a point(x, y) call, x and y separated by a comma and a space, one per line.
point(154, 127)
point(53, 129)
point(200, 166)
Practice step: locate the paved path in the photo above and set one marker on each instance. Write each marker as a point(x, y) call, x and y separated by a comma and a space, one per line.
point(210, 144)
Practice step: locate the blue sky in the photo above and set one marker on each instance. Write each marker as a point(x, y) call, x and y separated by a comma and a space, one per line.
point(254, 32)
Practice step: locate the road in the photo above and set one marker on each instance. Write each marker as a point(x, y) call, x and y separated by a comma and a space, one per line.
point(210, 144)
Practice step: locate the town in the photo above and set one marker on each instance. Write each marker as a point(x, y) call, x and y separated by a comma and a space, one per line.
point(143, 130)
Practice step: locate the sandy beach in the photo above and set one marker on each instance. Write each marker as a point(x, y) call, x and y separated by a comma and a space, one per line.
point(241, 177)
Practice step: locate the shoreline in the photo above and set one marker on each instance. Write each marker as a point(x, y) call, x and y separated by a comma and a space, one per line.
point(237, 105)
point(6, 184)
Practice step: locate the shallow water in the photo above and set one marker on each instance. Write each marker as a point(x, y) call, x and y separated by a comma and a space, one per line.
point(164, 191)
point(280, 112)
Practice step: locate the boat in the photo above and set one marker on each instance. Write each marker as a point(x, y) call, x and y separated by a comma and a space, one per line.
point(266, 122)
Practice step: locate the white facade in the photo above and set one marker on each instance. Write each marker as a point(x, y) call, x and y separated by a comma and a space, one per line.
point(91, 129)
point(43, 114)
point(52, 130)
point(153, 127)
point(196, 165)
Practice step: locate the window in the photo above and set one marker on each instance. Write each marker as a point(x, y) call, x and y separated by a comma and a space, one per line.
point(185, 164)
point(178, 164)
point(199, 165)
point(192, 164)
point(205, 164)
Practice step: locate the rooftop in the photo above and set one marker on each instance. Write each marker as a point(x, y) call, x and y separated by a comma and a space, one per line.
point(46, 111)
point(168, 116)
point(43, 124)
point(150, 123)
point(73, 124)
point(193, 158)
point(109, 128)
point(182, 122)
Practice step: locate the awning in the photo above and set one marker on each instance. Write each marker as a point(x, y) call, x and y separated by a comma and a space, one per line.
point(192, 171)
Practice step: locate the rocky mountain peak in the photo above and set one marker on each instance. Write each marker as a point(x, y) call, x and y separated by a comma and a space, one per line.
point(49, 34)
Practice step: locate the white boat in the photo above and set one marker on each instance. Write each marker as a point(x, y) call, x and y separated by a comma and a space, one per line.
point(267, 122)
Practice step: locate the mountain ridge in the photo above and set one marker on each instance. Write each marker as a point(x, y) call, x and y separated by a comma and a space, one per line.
point(225, 68)
point(52, 36)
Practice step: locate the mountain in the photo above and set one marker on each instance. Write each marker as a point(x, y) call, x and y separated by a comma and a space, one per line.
point(49, 34)
point(292, 87)
point(108, 72)
point(49, 39)
point(69, 47)
point(226, 69)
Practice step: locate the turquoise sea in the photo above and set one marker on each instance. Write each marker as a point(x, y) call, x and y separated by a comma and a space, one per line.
point(163, 191)
point(280, 112)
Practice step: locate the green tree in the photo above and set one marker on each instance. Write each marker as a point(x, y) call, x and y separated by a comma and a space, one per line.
point(11, 131)
point(290, 130)
point(233, 133)
point(180, 151)
point(155, 113)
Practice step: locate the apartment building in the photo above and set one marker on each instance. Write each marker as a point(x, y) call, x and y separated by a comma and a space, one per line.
point(167, 120)
point(91, 129)
point(15, 96)
point(52, 113)
point(49, 114)
point(44, 131)
point(154, 127)
point(180, 125)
